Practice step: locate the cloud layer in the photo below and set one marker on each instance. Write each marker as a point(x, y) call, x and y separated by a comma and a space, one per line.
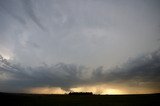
point(70, 43)
point(82, 32)
point(139, 72)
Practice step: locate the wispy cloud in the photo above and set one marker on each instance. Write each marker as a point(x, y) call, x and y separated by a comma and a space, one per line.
point(28, 7)
point(6, 8)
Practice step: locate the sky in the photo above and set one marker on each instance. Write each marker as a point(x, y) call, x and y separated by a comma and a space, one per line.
point(58, 46)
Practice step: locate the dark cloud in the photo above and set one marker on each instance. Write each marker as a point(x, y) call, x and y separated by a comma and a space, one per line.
point(144, 69)
point(60, 75)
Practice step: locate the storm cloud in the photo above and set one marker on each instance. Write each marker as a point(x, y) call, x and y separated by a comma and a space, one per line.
point(68, 43)
point(141, 69)
point(145, 69)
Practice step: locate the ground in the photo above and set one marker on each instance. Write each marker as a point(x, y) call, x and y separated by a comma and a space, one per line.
point(79, 100)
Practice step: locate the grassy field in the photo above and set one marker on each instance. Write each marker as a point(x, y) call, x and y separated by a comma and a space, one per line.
point(79, 100)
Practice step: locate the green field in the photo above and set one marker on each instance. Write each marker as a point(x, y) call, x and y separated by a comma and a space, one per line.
point(79, 100)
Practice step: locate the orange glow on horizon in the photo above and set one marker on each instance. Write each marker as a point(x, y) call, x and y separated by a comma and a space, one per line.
point(96, 89)
point(47, 90)
point(112, 91)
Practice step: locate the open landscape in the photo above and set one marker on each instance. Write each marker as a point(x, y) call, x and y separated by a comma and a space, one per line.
point(79, 100)
point(79, 52)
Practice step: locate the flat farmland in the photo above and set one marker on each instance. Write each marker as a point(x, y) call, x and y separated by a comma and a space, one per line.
point(79, 100)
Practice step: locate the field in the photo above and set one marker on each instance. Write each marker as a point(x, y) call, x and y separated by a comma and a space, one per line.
point(79, 100)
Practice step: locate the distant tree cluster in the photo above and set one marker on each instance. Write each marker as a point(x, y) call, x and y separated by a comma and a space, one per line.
point(80, 93)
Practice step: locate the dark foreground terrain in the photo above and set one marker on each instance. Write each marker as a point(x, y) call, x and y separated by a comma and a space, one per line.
point(11, 99)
